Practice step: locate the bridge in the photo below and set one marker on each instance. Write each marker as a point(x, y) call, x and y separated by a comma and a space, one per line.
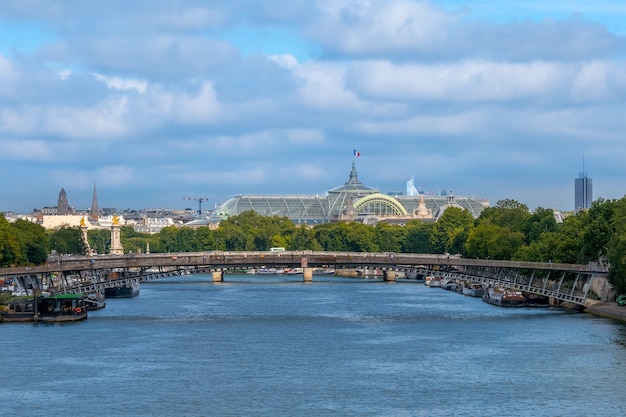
point(86, 274)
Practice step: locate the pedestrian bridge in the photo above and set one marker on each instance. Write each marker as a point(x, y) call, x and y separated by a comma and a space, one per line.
point(565, 282)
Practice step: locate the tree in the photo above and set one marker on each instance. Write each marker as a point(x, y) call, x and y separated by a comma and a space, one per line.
point(186, 239)
point(168, 239)
point(205, 239)
point(568, 248)
point(389, 238)
point(617, 248)
point(599, 229)
point(492, 241)
point(506, 213)
point(33, 241)
point(251, 231)
point(358, 237)
point(540, 221)
point(68, 241)
point(417, 237)
point(99, 240)
point(300, 239)
point(10, 251)
point(453, 221)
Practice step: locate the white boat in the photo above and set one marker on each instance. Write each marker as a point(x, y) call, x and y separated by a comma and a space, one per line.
point(270, 271)
point(324, 271)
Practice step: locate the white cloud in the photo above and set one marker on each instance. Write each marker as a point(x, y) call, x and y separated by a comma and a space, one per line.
point(476, 81)
point(106, 119)
point(65, 74)
point(414, 87)
point(161, 105)
point(118, 83)
point(287, 61)
point(362, 26)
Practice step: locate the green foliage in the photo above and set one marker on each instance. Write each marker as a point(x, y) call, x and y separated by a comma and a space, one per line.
point(506, 213)
point(389, 238)
point(168, 239)
point(99, 240)
point(453, 221)
point(617, 247)
point(540, 221)
point(417, 237)
point(10, 250)
point(599, 229)
point(300, 239)
point(33, 241)
point(492, 241)
point(68, 241)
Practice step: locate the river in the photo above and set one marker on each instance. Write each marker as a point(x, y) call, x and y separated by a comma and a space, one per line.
point(275, 346)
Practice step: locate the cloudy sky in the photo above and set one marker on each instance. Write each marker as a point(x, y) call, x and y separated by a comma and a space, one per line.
point(158, 100)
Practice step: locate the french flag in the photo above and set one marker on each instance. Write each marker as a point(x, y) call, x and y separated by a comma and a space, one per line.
point(357, 153)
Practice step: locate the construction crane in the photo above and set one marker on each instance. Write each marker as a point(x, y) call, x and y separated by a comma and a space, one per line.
point(199, 200)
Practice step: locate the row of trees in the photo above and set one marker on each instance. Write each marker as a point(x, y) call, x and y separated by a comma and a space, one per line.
point(507, 231)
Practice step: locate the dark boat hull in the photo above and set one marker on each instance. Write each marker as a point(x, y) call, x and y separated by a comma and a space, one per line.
point(55, 309)
point(122, 292)
point(16, 317)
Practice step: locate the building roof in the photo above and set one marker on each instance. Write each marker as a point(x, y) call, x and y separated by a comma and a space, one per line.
point(349, 201)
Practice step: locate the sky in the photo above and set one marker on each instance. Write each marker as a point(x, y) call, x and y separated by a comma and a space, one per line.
point(159, 103)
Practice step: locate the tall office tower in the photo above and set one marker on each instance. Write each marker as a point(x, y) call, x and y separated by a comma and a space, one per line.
point(95, 210)
point(583, 192)
point(63, 207)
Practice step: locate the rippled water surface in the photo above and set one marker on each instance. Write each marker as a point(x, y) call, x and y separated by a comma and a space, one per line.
point(267, 346)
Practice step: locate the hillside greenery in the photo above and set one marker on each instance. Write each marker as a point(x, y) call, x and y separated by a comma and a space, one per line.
point(506, 231)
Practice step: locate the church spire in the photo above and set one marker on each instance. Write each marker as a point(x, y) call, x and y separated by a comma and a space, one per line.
point(63, 207)
point(95, 210)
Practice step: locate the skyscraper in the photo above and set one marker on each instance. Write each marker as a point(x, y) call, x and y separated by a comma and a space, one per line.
point(583, 192)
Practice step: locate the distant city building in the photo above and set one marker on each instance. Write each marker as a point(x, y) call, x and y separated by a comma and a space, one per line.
point(63, 207)
point(57, 221)
point(153, 225)
point(352, 201)
point(49, 210)
point(583, 192)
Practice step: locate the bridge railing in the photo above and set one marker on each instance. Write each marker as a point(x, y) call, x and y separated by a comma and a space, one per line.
point(293, 258)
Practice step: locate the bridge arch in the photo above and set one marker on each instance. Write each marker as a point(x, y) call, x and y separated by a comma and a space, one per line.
point(380, 204)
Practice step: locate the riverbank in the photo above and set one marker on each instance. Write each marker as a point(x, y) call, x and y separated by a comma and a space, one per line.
point(609, 310)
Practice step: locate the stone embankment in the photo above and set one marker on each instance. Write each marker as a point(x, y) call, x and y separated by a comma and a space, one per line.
point(606, 309)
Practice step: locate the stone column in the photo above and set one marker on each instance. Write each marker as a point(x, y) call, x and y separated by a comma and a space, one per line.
point(83, 230)
point(308, 274)
point(217, 276)
point(389, 276)
point(116, 243)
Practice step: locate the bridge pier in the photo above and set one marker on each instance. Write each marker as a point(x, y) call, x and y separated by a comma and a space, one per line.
point(217, 276)
point(389, 276)
point(308, 274)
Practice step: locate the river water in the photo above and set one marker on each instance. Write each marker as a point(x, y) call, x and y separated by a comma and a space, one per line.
point(272, 346)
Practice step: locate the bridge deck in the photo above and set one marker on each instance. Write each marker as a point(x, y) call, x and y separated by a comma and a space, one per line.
point(99, 272)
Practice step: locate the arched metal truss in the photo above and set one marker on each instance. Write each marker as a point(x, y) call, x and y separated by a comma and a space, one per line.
point(380, 204)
